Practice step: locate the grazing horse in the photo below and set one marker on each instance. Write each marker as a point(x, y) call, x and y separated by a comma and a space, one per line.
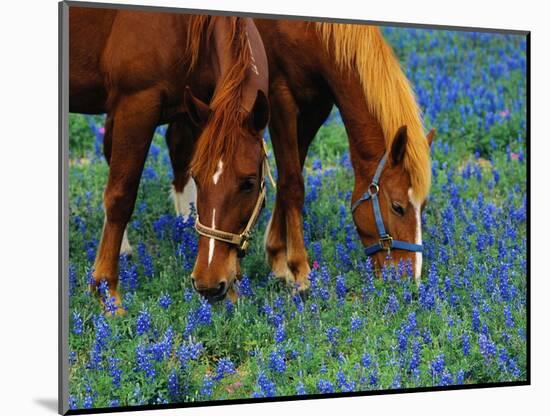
point(312, 67)
point(139, 68)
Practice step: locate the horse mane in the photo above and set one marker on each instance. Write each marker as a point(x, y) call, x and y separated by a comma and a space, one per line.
point(223, 129)
point(388, 92)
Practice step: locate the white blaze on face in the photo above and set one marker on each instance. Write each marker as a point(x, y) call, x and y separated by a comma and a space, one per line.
point(218, 173)
point(212, 242)
point(418, 236)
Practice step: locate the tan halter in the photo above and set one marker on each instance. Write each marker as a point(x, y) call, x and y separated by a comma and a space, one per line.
point(241, 240)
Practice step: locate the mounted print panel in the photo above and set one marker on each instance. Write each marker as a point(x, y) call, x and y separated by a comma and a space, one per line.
point(278, 208)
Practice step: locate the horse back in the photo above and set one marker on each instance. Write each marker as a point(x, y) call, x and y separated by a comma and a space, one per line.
point(89, 29)
point(115, 52)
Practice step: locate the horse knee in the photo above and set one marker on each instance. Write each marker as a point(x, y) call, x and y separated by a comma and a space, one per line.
point(292, 187)
point(119, 203)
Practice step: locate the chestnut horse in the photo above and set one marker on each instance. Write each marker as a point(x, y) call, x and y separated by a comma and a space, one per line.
point(312, 67)
point(137, 67)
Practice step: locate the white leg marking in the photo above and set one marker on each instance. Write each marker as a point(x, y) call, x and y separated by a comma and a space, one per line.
point(418, 237)
point(183, 200)
point(125, 247)
point(212, 242)
point(217, 174)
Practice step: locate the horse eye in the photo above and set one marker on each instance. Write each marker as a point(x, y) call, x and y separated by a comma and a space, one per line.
point(247, 185)
point(398, 209)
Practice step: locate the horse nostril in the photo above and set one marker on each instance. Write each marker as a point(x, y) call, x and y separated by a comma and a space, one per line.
point(193, 283)
point(221, 289)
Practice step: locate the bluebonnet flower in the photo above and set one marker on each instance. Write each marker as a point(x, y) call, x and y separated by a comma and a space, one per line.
point(102, 335)
point(341, 287)
point(300, 389)
point(229, 306)
point(114, 371)
point(460, 375)
point(161, 350)
point(366, 360)
point(244, 287)
point(437, 365)
point(392, 306)
point(187, 352)
point(128, 276)
point(200, 316)
point(277, 361)
point(325, 386)
point(187, 294)
point(280, 334)
point(513, 368)
point(207, 386)
point(145, 260)
point(396, 383)
point(144, 362)
point(356, 323)
point(426, 336)
point(466, 345)
point(486, 346)
point(343, 383)
point(77, 323)
point(373, 377)
point(267, 387)
point(415, 359)
point(88, 402)
point(317, 164)
point(165, 301)
point(173, 385)
point(476, 322)
point(298, 302)
point(225, 367)
point(73, 403)
point(446, 378)
point(73, 283)
point(332, 333)
point(508, 318)
point(143, 322)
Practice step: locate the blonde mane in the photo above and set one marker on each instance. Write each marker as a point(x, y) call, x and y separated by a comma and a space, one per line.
point(387, 90)
point(220, 135)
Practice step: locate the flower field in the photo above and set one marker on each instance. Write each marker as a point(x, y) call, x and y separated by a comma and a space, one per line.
point(464, 324)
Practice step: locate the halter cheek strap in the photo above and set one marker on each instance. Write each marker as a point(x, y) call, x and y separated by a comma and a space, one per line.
point(385, 242)
point(241, 240)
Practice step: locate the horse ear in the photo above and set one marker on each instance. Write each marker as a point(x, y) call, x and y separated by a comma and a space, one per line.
point(399, 146)
point(260, 112)
point(430, 137)
point(197, 110)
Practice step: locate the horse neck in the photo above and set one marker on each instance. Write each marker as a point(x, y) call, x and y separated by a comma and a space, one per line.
point(223, 60)
point(365, 135)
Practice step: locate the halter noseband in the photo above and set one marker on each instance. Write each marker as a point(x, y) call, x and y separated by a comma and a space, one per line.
point(241, 240)
point(386, 242)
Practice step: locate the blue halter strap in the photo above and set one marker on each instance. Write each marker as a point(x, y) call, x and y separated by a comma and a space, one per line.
point(385, 242)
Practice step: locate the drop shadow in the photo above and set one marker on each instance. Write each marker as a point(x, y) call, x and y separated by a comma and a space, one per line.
point(48, 404)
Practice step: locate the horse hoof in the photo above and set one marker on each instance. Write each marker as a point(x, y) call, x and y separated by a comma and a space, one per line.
point(304, 294)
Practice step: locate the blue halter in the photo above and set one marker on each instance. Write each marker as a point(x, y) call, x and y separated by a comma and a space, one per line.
point(386, 242)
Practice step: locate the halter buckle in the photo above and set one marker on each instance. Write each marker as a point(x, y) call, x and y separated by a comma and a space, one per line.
point(386, 242)
point(373, 189)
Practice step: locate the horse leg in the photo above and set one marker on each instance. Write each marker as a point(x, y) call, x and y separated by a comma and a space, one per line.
point(180, 138)
point(130, 134)
point(308, 123)
point(283, 130)
point(125, 247)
